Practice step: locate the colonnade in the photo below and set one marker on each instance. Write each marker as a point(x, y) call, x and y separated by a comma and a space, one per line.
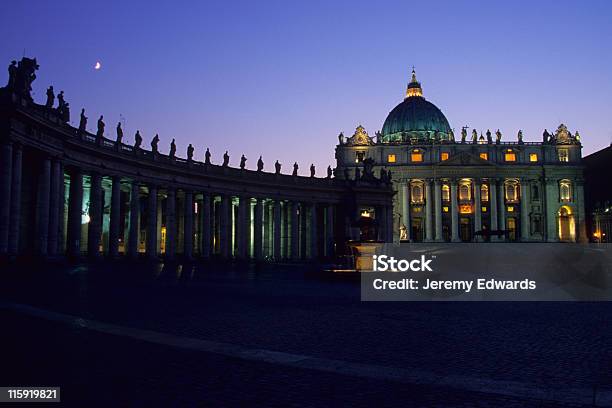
point(80, 212)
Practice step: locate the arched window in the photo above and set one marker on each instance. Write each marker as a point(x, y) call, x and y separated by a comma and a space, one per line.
point(565, 190)
point(512, 193)
point(464, 192)
point(445, 192)
point(416, 193)
point(484, 192)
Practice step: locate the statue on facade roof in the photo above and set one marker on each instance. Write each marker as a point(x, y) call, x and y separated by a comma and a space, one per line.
point(295, 169)
point(260, 164)
point(451, 135)
point(545, 136)
point(190, 152)
point(277, 167)
point(389, 176)
point(489, 138)
point(383, 175)
point(61, 103)
point(378, 137)
point(463, 134)
point(520, 136)
point(50, 97)
point(329, 172)
point(368, 168)
point(312, 170)
point(12, 70)
point(243, 160)
point(154, 143)
point(474, 136)
point(82, 122)
point(207, 156)
point(577, 137)
point(225, 159)
point(137, 140)
point(119, 134)
point(101, 125)
point(498, 136)
point(172, 149)
point(341, 138)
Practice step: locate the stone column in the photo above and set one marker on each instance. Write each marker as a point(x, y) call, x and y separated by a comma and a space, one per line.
point(75, 208)
point(295, 232)
point(493, 207)
point(390, 223)
point(581, 219)
point(224, 225)
point(42, 208)
point(277, 230)
point(429, 236)
point(438, 210)
point(406, 209)
point(381, 217)
point(206, 226)
point(551, 187)
point(188, 226)
point(329, 232)
point(15, 209)
point(454, 212)
point(54, 204)
point(133, 237)
point(502, 207)
point(151, 248)
point(303, 230)
point(6, 179)
point(477, 206)
point(94, 230)
point(115, 214)
point(524, 209)
point(242, 227)
point(170, 223)
point(61, 240)
point(314, 241)
point(258, 230)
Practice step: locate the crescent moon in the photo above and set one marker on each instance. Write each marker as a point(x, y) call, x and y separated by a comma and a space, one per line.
point(98, 65)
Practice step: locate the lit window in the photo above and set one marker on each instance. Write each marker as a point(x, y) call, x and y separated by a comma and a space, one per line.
point(484, 192)
point(445, 209)
point(563, 155)
point(464, 192)
point(484, 209)
point(465, 209)
point(510, 208)
point(445, 192)
point(444, 156)
point(391, 158)
point(416, 195)
point(484, 156)
point(565, 190)
point(511, 191)
point(416, 155)
point(359, 157)
point(510, 156)
point(533, 157)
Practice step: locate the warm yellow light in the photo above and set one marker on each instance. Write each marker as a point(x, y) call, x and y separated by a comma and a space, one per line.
point(416, 156)
point(484, 209)
point(484, 156)
point(533, 157)
point(444, 156)
point(365, 213)
point(445, 209)
point(510, 156)
point(465, 209)
point(510, 208)
point(391, 158)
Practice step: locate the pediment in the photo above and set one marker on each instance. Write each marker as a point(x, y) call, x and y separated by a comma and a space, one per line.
point(465, 159)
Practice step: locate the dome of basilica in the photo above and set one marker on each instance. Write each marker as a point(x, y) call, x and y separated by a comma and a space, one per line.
point(415, 118)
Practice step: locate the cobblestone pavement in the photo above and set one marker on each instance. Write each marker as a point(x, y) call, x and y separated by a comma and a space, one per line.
point(292, 310)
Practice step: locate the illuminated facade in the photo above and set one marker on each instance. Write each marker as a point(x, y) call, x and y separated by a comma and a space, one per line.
point(477, 188)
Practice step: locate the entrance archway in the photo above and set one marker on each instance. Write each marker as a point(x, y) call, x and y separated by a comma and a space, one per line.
point(567, 227)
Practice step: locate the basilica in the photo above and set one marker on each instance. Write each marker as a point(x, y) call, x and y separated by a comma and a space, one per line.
point(479, 188)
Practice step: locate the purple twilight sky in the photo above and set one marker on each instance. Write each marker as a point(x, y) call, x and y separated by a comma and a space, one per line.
point(282, 79)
